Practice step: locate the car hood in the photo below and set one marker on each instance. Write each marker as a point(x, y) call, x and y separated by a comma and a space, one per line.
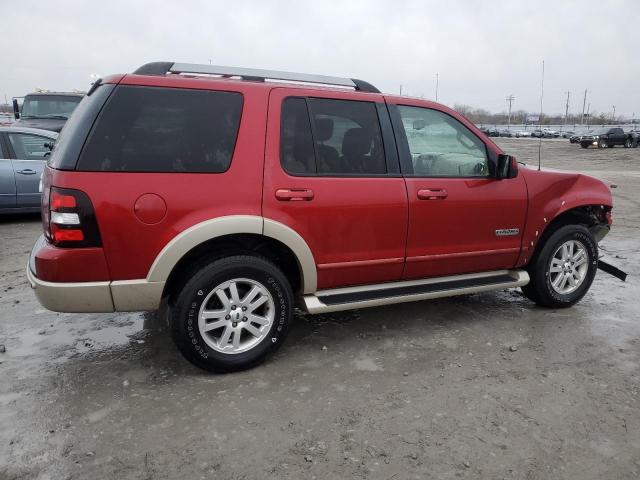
point(53, 124)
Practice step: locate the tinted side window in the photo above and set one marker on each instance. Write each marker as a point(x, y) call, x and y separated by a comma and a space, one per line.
point(297, 153)
point(440, 146)
point(29, 147)
point(151, 129)
point(347, 137)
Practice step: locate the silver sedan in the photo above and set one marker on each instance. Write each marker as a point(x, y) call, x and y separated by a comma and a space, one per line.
point(23, 156)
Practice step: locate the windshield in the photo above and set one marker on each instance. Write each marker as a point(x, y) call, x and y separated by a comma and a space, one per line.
point(49, 106)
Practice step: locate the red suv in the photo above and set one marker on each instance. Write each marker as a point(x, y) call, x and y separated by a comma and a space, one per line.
point(236, 194)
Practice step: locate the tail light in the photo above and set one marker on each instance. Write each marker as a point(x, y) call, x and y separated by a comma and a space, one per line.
point(69, 219)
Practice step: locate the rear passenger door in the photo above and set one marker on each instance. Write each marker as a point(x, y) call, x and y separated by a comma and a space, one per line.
point(29, 153)
point(7, 179)
point(332, 175)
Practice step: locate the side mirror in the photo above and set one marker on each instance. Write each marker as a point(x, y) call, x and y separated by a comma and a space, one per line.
point(507, 167)
point(16, 109)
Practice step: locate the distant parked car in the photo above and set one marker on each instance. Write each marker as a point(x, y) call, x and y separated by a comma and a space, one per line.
point(575, 138)
point(522, 133)
point(23, 155)
point(493, 132)
point(608, 138)
point(505, 132)
point(567, 134)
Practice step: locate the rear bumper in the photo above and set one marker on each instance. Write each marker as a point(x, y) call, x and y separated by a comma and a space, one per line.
point(72, 297)
point(90, 297)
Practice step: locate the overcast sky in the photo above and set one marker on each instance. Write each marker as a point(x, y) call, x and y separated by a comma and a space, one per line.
point(482, 51)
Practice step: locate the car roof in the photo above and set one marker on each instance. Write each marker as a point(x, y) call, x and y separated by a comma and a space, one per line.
point(34, 131)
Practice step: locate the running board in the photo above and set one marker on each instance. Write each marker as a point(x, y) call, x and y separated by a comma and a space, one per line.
point(338, 299)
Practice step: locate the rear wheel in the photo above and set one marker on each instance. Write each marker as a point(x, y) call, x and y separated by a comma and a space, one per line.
point(232, 314)
point(602, 143)
point(584, 145)
point(563, 270)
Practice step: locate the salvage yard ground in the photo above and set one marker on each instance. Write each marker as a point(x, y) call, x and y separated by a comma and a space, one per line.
point(481, 386)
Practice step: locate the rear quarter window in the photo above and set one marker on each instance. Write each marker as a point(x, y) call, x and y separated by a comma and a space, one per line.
point(154, 129)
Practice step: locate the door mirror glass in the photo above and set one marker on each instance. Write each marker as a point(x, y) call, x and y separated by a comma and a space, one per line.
point(507, 167)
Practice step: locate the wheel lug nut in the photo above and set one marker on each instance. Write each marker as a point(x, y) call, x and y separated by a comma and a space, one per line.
point(235, 324)
point(233, 307)
point(244, 309)
point(227, 317)
point(244, 319)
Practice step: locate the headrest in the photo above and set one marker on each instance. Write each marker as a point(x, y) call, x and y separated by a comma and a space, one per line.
point(357, 141)
point(324, 129)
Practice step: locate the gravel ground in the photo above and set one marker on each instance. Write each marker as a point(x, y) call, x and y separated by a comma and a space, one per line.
point(482, 386)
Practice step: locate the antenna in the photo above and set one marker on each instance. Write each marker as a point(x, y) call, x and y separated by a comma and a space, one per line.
point(540, 121)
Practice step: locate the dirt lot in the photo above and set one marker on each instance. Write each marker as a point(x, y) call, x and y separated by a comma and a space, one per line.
point(423, 390)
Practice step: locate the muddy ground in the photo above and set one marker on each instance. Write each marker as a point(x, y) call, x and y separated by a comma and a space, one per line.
point(423, 390)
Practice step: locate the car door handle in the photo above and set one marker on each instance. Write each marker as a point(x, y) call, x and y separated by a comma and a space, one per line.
point(27, 171)
point(294, 194)
point(432, 194)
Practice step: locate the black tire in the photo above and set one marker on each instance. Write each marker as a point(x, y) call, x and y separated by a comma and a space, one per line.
point(602, 143)
point(540, 289)
point(584, 145)
point(185, 308)
point(628, 143)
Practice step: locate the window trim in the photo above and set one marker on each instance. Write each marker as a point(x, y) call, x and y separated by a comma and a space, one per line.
point(4, 150)
point(110, 98)
point(404, 152)
point(393, 170)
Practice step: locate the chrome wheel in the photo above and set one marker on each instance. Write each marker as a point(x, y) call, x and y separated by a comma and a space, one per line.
point(236, 315)
point(603, 144)
point(568, 267)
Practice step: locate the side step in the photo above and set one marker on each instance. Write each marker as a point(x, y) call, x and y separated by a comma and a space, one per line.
point(338, 299)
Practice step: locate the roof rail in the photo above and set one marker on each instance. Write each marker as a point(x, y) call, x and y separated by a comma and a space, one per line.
point(254, 74)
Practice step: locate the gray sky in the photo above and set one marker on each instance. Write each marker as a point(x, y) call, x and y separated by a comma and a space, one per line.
point(483, 51)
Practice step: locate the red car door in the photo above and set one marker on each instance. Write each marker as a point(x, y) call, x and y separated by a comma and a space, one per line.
point(461, 220)
point(332, 175)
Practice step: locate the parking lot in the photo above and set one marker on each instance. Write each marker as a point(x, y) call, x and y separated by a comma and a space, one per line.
point(481, 386)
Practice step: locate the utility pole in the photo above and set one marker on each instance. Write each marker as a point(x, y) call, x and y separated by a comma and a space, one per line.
point(566, 109)
point(584, 102)
point(613, 117)
point(588, 109)
point(437, 81)
point(510, 99)
point(400, 89)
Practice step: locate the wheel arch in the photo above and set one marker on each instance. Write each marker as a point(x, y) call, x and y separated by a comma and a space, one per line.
point(588, 215)
point(237, 234)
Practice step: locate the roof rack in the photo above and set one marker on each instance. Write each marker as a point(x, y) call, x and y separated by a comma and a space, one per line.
point(252, 74)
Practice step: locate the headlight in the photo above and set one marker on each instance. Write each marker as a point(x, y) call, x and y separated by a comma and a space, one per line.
point(596, 137)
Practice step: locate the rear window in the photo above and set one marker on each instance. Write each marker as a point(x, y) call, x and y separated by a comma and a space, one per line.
point(151, 129)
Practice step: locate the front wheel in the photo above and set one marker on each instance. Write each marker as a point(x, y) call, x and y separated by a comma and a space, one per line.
point(602, 144)
point(232, 313)
point(584, 145)
point(564, 269)
point(628, 143)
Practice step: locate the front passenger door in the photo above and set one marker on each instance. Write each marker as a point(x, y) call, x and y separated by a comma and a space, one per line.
point(461, 219)
point(29, 158)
